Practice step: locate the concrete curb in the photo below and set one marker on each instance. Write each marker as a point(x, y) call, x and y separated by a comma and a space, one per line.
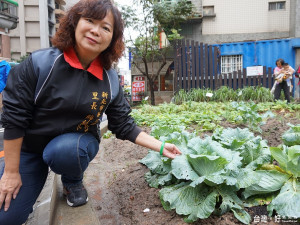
point(42, 209)
point(51, 207)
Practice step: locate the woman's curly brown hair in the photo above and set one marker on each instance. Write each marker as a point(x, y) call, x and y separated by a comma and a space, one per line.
point(95, 9)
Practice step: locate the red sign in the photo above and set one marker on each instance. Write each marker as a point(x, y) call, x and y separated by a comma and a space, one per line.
point(139, 78)
point(138, 84)
point(138, 90)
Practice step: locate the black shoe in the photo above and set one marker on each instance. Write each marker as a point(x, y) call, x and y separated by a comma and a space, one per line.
point(76, 195)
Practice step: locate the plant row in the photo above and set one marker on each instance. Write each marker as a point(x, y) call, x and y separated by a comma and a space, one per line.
point(207, 116)
point(223, 94)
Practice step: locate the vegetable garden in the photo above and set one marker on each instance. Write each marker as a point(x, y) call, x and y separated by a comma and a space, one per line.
point(228, 162)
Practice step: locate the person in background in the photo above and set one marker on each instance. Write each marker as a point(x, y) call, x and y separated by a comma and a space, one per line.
point(53, 104)
point(285, 74)
point(284, 83)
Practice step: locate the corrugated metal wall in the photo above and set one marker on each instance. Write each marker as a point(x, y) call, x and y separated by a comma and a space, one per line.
point(263, 53)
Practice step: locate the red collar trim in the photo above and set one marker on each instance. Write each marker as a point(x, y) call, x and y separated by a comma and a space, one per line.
point(95, 68)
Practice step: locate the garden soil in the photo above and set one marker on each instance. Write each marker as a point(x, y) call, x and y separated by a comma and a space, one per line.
point(120, 195)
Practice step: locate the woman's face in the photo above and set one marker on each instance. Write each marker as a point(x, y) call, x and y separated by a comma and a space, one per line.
point(279, 65)
point(93, 36)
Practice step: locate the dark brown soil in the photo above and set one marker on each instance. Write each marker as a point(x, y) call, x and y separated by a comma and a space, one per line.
point(120, 194)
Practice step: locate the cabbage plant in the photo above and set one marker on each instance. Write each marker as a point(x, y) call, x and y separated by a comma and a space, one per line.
point(207, 178)
point(282, 180)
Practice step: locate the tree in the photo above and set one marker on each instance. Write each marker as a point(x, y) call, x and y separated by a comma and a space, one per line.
point(156, 17)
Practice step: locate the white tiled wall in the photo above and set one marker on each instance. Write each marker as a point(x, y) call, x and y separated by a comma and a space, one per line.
point(245, 16)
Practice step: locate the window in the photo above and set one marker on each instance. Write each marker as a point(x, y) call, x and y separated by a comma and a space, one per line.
point(13, 10)
point(4, 7)
point(230, 63)
point(50, 14)
point(8, 8)
point(276, 5)
point(209, 11)
point(51, 29)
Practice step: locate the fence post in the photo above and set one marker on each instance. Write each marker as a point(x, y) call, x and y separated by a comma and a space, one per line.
point(180, 58)
point(216, 67)
point(230, 80)
point(206, 51)
point(197, 65)
point(244, 78)
point(210, 71)
point(220, 78)
point(225, 79)
point(184, 64)
point(249, 79)
point(201, 65)
point(193, 64)
point(188, 64)
point(264, 76)
point(234, 80)
point(270, 76)
point(176, 70)
point(239, 79)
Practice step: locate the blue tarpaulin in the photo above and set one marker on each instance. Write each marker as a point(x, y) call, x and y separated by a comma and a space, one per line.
point(4, 71)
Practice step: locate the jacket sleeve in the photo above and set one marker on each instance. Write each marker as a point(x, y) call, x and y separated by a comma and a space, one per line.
point(119, 120)
point(18, 100)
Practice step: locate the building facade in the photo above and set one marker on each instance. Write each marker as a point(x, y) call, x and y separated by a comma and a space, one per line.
point(8, 21)
point(37, 24)
point(243, 20)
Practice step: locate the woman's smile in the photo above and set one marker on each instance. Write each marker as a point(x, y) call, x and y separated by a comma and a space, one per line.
point(93, 41)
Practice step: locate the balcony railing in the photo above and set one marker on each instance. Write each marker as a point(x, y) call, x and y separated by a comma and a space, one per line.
point(8, 14)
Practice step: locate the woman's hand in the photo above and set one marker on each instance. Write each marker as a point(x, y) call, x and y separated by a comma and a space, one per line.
point(10, 185)
point(171, 151)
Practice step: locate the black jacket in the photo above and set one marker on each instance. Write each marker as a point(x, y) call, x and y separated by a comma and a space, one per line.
point(65, 100)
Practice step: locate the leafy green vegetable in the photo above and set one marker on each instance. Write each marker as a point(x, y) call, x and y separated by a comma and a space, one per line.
point(210, 171)
point(292, 136)
point(267, 181)
point(287, 203)
point(284, 179)
point(228, 171)
point(249, 114)
point(193, 202)
point(288, 159)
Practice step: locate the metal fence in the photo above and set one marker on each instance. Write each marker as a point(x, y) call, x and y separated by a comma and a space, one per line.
point(197, 65)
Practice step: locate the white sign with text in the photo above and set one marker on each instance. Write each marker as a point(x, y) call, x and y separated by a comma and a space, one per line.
point(254, 70)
